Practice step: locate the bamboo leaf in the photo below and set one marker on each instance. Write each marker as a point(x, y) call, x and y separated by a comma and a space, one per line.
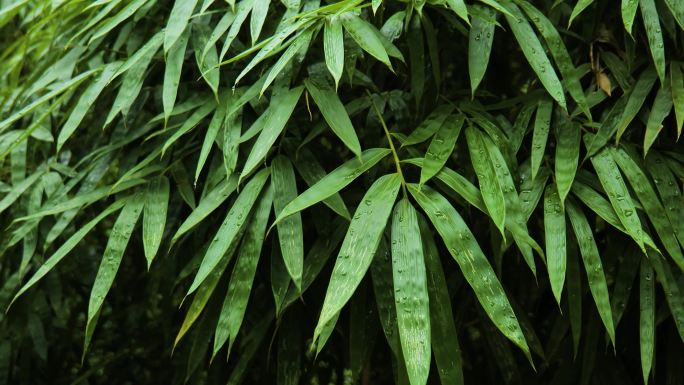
point(154, 218)
point(646, 317)
point(649, 13)
point(554, 231)
point(333, 45)
point(335, 115)
point(359, 246)
point(441, 147)
point(474, 265)
point(410, 291)
point(178, 20)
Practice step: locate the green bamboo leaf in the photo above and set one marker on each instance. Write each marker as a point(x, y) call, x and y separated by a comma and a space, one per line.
point(560, 54)
point(67, 246)
point(646, 317)
point(242, 278)
point(628, 10)
point(592, 265)
point(284, 104)
point(531, 190)
point(335, 115)
point(259, 13)
point(221, 27)
point(19, 189)
point(191, 122)
point(117, 19)
point(154, 218)
point(131, 84)
point(492, 194)
point(116, 245)
point(290, 233)
point(667, 185)
point(227, 234)
point(554, 233)
point(441, 147)
point(204, 292)
point(301, 41)
point(567, 155)
point(619, 197)
point(242, 10)
point(649, 13)
point(333, 46)
point(217, 121)
point(383, 288)
point(335, 181)
point(232, 129)
point(460, 8)
point(429, 126)
point(542, 123)
point(366, 36)
point(677, 9)
point(67, 86)
point(671, 288)
point(410, 292)
point(207, 205)
point(637, 97)
point(607, 129)
point(85, 102)
point(580, 6)
point(359, 246)
point(480, 45)
point(178, 21)
point(677, 87)
point(312, 172)
point(534, 52)
point(662, 105)
point(207, 61)
point(474, 265)
point(649, 201)
point(444, 333)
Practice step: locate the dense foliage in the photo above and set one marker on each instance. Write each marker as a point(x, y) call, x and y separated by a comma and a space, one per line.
point(301, 192)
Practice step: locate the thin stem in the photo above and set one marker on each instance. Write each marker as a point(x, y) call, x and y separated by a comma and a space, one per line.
point(397, 162)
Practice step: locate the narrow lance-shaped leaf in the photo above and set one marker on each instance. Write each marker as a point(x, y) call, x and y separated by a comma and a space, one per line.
point(492, 195)
point(677, 86)
point(668, 187)
point(217, 121)
point(429, 126)
point(67, 246)
point(359, 246)
point(410, 292)
point(649, 201)
point(555, 236)
point(628, 10)
point(230, 228)
point(567, 155)
point(335, 115)
point(240, 284)
point(646, 316)
point(178, 20)
point(592, 265)
point(534, 52)
point(154, 218)
point(284, 104)
point(441, 147)
point(365, 36)
point(259, 13)
point(290, 233)
point(619, 197)
point(662, 105)
point(333, 45)
point(559, 53)
point(540, 134)
point(474, 265)
point(311, 171)
point(85, 102)
point(480, 45)
point(580, 6)
point(207, 205)
point(444, 335)
point(649, 13)
point(637, 97)
point(172, 72)
point(335, 181)
point(116, 245)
